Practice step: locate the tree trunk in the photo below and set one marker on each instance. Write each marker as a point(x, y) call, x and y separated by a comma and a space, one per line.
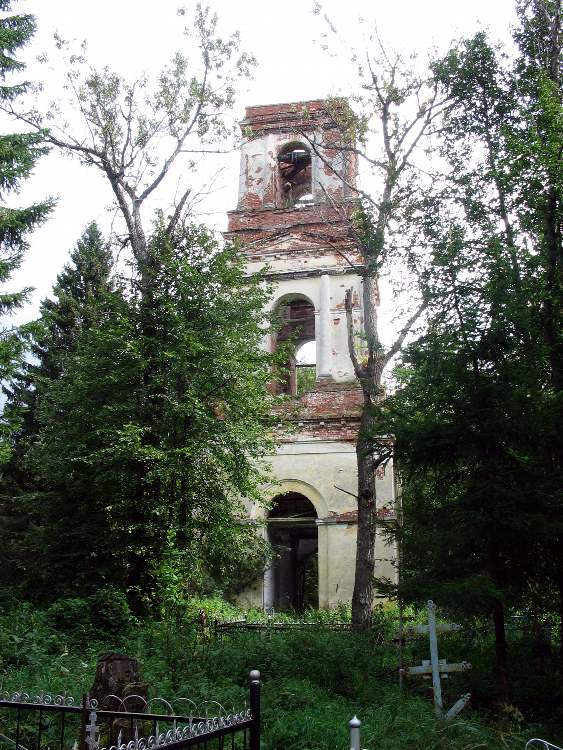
point(362, 600)
point(369, 375)
point(501, 653)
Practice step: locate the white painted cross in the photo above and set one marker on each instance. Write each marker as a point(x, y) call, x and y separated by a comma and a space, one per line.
point(438, 667)
point(92, 731)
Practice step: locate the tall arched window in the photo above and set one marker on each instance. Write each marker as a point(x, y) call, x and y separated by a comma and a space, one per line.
point(297, 328)
point(294, 163)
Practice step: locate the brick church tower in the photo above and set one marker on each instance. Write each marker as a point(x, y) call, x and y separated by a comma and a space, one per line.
point(286, 219)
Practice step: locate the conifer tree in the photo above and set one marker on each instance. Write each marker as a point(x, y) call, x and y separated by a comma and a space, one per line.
point(478, 419)
point(18, 155)
point(53, 339)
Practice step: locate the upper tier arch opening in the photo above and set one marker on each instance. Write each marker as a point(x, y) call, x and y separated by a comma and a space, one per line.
point(295, 174)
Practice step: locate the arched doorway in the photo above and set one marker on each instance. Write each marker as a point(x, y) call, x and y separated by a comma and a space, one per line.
point(293, 579)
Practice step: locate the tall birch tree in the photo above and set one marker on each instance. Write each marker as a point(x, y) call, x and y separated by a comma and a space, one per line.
point(389, 126)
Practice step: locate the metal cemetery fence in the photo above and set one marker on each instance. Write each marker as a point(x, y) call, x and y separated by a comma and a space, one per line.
point(43, 722)
point(239, 626)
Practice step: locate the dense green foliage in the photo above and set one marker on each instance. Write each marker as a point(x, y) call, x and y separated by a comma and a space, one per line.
point(18, 155)
point(32, 517)
point(141, 438)
point(313, 682)
point(146, 415)
point(479, 411)
point(140, 421)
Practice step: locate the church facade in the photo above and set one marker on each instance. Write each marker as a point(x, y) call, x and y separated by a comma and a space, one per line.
point(289, 219)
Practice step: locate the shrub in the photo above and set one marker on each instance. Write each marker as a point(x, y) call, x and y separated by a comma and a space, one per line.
point(109, 612)
point(70, 615)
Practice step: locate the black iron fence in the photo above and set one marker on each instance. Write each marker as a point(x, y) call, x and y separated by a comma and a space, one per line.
point(44, 722)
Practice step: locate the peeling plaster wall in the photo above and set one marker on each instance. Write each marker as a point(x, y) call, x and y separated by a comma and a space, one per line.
point(258, 178)
point(330, 318)
point(316, 469)
point(308, 254)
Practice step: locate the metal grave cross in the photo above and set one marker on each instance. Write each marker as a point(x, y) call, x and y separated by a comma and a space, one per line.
point(92, 731)
point(438, 667)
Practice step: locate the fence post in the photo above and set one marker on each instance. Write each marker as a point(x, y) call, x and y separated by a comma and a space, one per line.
point(83, 722)
point(355, 725)
point(255, 709)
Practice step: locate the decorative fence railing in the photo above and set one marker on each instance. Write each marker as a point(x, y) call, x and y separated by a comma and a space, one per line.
point(220, 629)
point(270, 626)
point(44, 722)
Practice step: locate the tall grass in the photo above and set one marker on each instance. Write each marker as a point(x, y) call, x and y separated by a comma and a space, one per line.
point(314, 681)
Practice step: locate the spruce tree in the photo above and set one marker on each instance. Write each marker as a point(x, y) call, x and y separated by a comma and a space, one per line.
point(70, 313)
point(18, 155)
point(53, 337)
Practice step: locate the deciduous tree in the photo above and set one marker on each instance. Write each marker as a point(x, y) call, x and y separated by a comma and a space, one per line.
point(392, 123)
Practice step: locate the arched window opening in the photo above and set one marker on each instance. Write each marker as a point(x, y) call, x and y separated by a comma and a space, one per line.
point(294, 162)
point(305, 367)
point(292, 531)
point(297, 328)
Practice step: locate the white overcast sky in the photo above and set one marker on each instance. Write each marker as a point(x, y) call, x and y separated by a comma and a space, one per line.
point(137, 35)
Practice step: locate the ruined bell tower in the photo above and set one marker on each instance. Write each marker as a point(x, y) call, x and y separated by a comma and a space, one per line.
point(289, 218)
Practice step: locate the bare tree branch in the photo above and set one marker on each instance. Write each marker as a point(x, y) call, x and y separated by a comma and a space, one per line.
point(399, 341)
point(178, 211)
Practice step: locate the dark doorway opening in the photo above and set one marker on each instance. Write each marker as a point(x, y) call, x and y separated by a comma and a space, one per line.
point(292, 530)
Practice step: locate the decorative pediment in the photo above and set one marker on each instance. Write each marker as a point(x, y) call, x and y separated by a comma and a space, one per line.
point(292, 241)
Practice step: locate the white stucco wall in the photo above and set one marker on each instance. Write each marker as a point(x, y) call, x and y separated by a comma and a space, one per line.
point(331, 335)
point(321, 470)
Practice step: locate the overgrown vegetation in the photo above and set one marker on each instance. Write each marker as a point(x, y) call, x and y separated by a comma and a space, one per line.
point(84, 517)
point(478, 412)
point(141, 418)
point(313, 682)
point(144, 422)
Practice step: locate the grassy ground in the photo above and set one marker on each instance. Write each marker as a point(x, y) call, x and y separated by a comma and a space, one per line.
point(313, 682)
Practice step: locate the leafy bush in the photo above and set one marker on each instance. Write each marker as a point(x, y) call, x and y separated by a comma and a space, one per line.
point(27, 639)
point(109, 612)
point(70, 615)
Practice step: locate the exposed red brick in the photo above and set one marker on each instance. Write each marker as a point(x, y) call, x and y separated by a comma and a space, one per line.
point(351, 516)
point(332, 410)
point(268, 118)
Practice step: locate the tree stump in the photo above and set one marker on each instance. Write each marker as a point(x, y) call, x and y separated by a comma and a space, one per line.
point(118, 687)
